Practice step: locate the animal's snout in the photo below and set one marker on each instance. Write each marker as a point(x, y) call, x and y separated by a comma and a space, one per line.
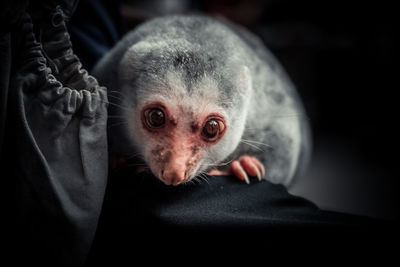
point(178, 166)
point(173, 175)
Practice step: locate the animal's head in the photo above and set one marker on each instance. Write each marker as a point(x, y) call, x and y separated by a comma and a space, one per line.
point(186, 110)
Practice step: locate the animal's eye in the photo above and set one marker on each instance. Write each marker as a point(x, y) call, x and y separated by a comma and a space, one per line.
point(212, 129)
point(155, 118)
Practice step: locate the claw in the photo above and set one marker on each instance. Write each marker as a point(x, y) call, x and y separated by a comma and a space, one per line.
point(259, 165)
point(244, 167)
point(250, 166)
point(239, 172)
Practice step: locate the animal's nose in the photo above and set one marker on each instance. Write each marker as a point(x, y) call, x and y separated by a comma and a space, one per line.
point(176, 169)
point(173, 175)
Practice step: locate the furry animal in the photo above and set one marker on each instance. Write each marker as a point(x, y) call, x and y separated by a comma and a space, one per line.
point(191, 95)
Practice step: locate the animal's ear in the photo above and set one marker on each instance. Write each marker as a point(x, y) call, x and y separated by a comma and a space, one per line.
point(244, 81)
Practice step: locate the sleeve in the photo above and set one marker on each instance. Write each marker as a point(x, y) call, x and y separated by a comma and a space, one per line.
point(57, 139)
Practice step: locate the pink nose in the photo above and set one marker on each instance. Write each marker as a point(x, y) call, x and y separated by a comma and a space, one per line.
point(173, 176)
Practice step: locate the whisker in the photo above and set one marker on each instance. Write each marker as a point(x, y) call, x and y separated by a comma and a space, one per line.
point(195, 179)
point(217, 164)
point(113, 104)
point(252, 145)
point(205, 178)
point(221, 163)
point(114, 91)
point(120, 96)
point(116, 105)
point(202, 177)
point(226, 163)
point(189, 182)
point(207, 181)
point(256, 142)
point(116, 97)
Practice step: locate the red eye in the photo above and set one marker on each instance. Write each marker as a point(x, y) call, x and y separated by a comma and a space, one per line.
point(212, 129)
point(155, 118)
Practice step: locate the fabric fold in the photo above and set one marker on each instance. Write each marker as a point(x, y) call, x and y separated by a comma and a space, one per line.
point(61, 143)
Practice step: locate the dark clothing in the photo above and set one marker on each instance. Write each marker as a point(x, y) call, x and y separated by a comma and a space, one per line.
point(53, 137)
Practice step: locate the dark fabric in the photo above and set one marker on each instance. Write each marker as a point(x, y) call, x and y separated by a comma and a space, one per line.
point(54, 142)
point(219, 202)
point(10, 12)
point(141, 214)
point(95, 27)
point(5, 68)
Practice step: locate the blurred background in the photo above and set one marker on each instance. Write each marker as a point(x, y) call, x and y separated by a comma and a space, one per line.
point(340, 55)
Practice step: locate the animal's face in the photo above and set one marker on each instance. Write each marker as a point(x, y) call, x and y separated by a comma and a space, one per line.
point(181, 122)
point(180, 135)
point(176, 139)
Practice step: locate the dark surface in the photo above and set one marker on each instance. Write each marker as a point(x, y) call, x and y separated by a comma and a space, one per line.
point(220, 202)
point(140, 214)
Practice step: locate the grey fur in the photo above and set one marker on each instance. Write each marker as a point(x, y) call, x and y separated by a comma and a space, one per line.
point(253, 88)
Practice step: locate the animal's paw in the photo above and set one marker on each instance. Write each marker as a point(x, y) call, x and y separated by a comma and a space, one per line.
point(242, 168)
